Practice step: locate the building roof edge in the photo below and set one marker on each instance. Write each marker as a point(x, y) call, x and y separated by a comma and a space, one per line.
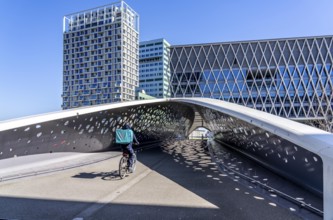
point(251, 41)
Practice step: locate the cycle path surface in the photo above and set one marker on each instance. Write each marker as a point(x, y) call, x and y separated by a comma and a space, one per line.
point(165, 186)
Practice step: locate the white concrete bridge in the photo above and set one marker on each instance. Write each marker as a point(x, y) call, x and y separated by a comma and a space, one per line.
point(298, 152)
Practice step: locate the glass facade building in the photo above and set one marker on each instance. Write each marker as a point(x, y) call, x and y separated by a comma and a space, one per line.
point(154, 68)
point(292, 78)
point(100, 60)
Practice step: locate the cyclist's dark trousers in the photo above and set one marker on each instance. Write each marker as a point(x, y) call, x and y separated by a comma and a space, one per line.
point(130, 151)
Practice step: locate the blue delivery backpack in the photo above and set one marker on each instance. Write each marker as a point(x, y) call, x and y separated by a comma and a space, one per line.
point(124, 136)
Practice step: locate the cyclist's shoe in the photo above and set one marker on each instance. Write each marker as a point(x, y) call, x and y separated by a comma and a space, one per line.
point(130, 170)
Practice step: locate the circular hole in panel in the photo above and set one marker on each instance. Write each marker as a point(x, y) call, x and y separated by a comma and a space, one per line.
point(272, 204)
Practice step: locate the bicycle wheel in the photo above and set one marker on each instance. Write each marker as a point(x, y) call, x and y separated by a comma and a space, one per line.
point(134, 162)
point(122, 167)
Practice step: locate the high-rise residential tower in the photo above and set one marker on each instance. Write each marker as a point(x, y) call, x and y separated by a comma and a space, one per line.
point(154, 68)
point(101, 49)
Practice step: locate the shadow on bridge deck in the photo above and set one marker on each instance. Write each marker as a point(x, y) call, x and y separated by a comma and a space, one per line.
point(178, 182)
point(186, 184)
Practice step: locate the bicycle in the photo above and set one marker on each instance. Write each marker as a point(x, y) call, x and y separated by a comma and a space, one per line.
point(123, 167)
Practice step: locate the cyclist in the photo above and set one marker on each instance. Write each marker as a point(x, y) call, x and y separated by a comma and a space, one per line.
point(129, 149)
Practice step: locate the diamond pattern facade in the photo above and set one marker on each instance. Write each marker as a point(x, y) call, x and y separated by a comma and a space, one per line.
point(292, 78)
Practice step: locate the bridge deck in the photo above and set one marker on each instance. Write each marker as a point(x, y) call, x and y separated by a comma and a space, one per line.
point(165, 185)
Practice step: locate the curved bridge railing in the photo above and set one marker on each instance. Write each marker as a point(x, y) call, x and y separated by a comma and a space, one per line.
point(299, 152)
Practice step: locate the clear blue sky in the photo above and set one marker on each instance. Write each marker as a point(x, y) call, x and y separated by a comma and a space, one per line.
point(31, 36)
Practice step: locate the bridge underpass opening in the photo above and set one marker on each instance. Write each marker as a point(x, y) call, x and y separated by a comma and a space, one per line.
point(199, 133)
point(298, 152)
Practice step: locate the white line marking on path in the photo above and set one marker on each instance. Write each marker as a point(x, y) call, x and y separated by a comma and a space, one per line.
point(109, 198)
point(112, 196)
